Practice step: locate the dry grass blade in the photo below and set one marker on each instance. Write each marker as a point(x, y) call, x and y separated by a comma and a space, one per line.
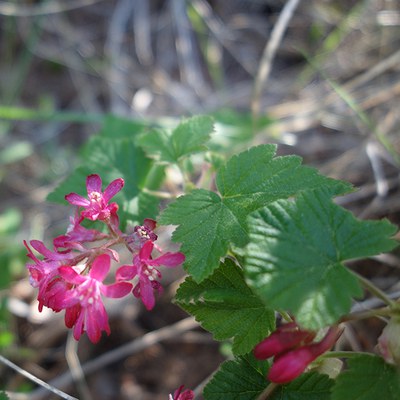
point(137, 345)
point(270, 49)
point(33, 378)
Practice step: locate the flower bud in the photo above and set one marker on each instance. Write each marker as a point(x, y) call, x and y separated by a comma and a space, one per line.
point(286, 337)
point(290, 365)
point(389, 342)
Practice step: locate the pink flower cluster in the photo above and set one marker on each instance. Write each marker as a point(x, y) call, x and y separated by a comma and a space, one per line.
point(293, 350)
point(70, 277)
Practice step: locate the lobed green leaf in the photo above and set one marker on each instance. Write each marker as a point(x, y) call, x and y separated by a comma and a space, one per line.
point(187, 138)
point(240, 379)
point(368, 378)
point(209, 223)
point(294, 260)
point(225, 306)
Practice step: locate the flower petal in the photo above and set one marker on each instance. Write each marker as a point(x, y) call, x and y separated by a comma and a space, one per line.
point(77, 200)
point(168, 260)
point(93, 183)
point(145, 251)
point(126, 273)
point(147, 294)
point(100, 267)
point(116, 290)
point(113, 188)
point(68, 274)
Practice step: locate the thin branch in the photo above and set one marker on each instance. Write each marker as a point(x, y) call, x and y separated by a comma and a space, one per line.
point(268, 56)
point(33, 378)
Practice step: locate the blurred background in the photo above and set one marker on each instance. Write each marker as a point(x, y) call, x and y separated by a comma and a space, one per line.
point(327, 86)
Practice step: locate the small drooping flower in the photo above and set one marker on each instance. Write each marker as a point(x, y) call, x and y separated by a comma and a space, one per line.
point(293, 351)
point(97, 206)
point(77, 234)
point(389, 342)
point(141, 234)
point(179, 395)
point(144, 267)
point(44, 275)
point(85, 309)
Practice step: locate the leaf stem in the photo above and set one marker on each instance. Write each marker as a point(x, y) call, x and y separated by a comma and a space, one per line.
point(381, 312)
point(374, 289)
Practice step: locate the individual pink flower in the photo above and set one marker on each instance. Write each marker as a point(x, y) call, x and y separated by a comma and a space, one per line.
point(185, 395)
point(284, 338)
point(144, 267)
point(292, 364)
point(44, 275)
point(87, 312)
point(141, 234)
point(97, 204)
point(77, 234)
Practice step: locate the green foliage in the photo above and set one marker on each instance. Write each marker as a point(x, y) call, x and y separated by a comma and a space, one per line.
point(294, 260)
point(187, 138)
point(309, 386)
point(240, 379)
point(225, 306)
point(244, 378)
point(209, 223)
point(4, 396)
point(113, 154)
point(368, 378)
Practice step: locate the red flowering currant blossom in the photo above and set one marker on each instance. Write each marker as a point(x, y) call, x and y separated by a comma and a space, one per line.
point(44, 275)
point(144, 268)
point(97, 204)
point(141, 234)
point(185, 395)
point(76, 235)
point(293, 351)
point(86, 310)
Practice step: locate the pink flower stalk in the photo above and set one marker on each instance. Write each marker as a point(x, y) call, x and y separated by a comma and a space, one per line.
point(185, 395)
point(77, 234)
point(144, 268)
point(96, 205)
point(284, 338)
point(291, 364)
point(86, 309)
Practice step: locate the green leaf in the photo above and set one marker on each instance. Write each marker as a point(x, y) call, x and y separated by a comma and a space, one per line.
point(308, 386)
point(117, 127)
point(187, 138)
point(368, 378)
point(225, 306)
point(294, 260)
point(206, 228)
point(209, 223)
point(240, 379)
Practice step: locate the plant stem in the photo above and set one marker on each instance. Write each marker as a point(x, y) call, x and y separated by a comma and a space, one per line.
point(374, 290)
point(381, 312)
point(267, 391)
point(345, 354)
